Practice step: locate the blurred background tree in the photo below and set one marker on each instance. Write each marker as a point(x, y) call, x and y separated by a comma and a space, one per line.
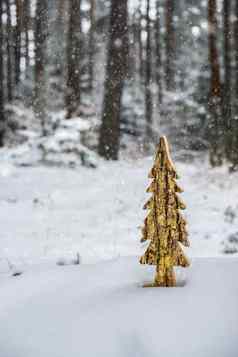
point(132, 70)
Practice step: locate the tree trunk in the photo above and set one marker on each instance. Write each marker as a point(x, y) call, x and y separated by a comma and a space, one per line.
point(26, 24)
point(59, 49)
point(2, 116)
point(73, 96)
point(141, 47)
point(234, 156)
point(91, 43)
point(227, 114)
point(148, 80)
point(214, 103)
point(236, 51)
point(18, 31)
point(9, 53)
point(158, 54)
point(41, 33)
point(116, 73)
point(170, 46)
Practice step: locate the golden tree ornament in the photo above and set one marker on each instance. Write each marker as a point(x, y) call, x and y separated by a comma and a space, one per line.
point(164, 225)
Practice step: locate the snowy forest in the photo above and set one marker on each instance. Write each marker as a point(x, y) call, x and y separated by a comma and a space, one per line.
point(127, 73)
point(108, 107)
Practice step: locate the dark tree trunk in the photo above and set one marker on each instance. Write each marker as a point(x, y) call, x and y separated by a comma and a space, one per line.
point(148, 80)
point(215, 96)
point(141, 47)
point(60, 29)
point(26, 24)
point(158, 54)
point(227, 114)
point(18, 32)
point(41, 33)
point(2, 116)
point(234, 152)
point(73, 96)
point(170, 45)
point(9, 53)
point(116, 72)
point(236, 52)
point(91, 43)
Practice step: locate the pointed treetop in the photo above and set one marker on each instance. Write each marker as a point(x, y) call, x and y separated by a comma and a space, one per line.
point(165, 148)
point(163, 151)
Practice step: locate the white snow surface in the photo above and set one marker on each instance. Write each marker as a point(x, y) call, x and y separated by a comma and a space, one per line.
point(103, 310)
point(53, 218)
point(50, 214)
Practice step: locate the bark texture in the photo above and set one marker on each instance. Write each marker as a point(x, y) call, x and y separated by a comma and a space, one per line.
point(170, 45)
point(141, 48)
point(18, 39)
point(26, 27)
point(73, 95)
point(158, 54)
point(116, 73)
point(41, 33)
point(148, 80)
point(92, 43)
point(227, 111)
point(2, 116)
point(215, 97)
point(9, 53)
point(234, 152)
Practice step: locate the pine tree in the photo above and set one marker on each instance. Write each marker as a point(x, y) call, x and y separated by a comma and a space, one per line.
point(92, 43)
point(234, 143)
point(116, 74)
point(9, 41)
point(215, 129)
point(148, 79)
point(18, 40)
point(26, 9)
point(227, 108)
point(41, 35)
point(73, 94)
point(170, 45)
point(141, 47)
point(164, 226)
point(2, 115)
point(158, 56)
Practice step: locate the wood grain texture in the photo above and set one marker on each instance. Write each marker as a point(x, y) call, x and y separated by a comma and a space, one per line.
point(164, 226)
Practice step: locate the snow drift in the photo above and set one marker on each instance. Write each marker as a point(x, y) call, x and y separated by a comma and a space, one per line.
point(102, 310)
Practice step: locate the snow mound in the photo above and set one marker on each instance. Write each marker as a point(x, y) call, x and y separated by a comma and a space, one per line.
point(102, 310)
point(63, 145)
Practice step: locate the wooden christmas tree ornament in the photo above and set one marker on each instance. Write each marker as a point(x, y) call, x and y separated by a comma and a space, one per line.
point(164, 225)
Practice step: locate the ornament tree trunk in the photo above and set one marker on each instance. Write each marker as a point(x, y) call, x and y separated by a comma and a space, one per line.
point(164, 225)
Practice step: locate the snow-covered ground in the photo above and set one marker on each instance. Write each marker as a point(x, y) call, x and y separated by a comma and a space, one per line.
point(102, 310)
point(53, 214)
point(51, 307)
